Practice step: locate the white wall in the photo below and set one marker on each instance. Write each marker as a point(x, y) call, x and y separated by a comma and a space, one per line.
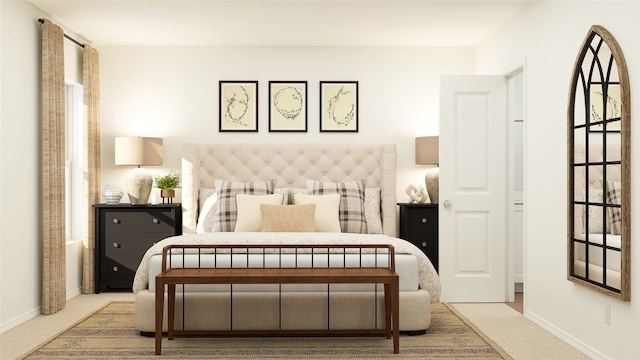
point(20, 220)
point(172, 92)
point(549, 35)
point(20, 229)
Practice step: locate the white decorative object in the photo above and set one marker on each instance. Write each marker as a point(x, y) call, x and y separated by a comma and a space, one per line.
point(428, 153)
point(416, 194)
point(432, 181)
point(112, 194)
point(138, 151)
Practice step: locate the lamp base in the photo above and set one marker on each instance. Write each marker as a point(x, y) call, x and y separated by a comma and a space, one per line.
point(138, 186)
point(431, 181)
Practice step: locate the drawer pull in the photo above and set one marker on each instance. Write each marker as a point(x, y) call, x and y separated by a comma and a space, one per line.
point(424, 244)
point(424, 220)
point(156, 221)
point(115, 268)
point(116, 221)
point(116, 245)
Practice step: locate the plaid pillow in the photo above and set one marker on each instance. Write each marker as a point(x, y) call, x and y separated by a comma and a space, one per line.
point(613, 195)
point(351, 213)
point(226, 210)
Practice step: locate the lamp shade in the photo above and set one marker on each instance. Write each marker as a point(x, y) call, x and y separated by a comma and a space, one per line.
point(427, 150)
point(138, 151)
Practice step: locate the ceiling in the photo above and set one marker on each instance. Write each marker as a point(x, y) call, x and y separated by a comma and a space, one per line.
point(282, 23)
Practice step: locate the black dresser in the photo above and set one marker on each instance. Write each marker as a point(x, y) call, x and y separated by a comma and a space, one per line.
point(419, 225)
point(123, 233)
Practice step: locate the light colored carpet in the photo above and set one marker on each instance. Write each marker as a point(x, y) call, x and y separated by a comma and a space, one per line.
point(518, 336)
point(521, 338)
point(110, 333)
point(26, 336)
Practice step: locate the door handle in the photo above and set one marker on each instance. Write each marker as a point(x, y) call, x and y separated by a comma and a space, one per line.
point(447, 203)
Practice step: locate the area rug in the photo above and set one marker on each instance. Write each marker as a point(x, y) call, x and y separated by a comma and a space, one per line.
point(110, 333)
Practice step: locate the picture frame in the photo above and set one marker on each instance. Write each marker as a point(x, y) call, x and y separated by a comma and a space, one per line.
point(601, 107)
point(287, 106)
point(339, 106)
point(238, 106)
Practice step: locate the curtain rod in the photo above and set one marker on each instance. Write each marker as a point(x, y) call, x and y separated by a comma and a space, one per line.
point(41, 21)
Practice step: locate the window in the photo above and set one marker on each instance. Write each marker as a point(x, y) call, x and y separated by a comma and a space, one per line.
point(74, 162)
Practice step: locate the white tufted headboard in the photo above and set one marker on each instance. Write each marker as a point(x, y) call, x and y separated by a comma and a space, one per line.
point(290, 165)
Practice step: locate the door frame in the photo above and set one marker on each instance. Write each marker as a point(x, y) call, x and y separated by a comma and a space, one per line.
point(516, 68)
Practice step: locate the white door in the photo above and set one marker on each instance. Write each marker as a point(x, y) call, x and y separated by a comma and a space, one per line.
point(473, 188)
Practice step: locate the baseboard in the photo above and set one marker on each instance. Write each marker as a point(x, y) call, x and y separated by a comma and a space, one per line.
point(33, 313)
point(20, 319)
point(73, 293)
point(566, 337)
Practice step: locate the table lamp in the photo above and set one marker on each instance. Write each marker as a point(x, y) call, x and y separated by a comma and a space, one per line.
point(138, 151)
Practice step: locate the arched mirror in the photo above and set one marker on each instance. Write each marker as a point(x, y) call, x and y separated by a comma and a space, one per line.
point(599, 167)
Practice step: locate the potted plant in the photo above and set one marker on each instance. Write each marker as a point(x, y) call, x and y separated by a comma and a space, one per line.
point(167, 184)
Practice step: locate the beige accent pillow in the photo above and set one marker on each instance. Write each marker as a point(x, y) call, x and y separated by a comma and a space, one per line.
point(326, 217)
point(249, 214)
point(288, 218)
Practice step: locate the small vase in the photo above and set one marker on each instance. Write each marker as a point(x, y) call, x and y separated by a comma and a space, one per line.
point(112, 194)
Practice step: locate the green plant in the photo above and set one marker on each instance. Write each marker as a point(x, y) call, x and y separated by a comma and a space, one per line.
point(169, 181)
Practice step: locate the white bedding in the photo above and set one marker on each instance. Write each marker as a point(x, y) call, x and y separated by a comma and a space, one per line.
point(428, 278)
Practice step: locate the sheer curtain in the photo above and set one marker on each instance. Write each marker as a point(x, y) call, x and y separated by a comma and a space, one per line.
point(91, 83)
point(53, 170)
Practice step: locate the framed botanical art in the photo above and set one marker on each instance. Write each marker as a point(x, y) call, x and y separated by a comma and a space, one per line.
point(238, 106)
point(288, 106)
point(605, 107)
point(338, 106)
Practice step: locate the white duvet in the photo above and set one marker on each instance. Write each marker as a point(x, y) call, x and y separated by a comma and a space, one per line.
point(428, 277)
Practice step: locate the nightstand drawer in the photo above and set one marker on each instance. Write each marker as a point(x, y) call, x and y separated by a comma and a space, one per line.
point(128, 249)
point(137, 221)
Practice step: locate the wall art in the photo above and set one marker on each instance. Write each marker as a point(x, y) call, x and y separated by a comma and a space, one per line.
point(338, 106)
point(288, 106)
point(605, 107)
point(238, 106)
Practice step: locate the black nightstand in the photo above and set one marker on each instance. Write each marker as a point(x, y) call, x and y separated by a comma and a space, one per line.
point(419, 225)
point(123, 234)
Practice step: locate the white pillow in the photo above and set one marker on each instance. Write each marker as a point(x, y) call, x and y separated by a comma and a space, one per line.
point(285, 194)
point(226, 212)
point(372, 210)
point(596, 223)
point(249, 213)
point(203, 194)
point(326, 217)
point(351, 213)
point(206, 215)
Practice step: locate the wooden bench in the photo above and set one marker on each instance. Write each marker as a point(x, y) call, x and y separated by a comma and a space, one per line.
point(281, 275)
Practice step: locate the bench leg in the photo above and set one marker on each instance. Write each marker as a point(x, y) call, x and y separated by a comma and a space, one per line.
point(395, 293)
point(171, 309)
point(387, 308)
point(159, 315)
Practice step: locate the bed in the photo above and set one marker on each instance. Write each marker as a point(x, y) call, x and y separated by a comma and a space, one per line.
point(224, 180)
